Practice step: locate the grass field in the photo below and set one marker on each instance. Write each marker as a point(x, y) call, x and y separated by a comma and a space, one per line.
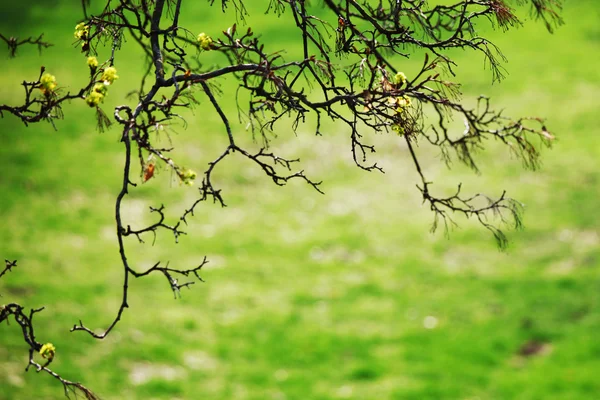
point(338, 296)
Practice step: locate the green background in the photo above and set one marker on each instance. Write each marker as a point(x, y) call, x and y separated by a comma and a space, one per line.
point(344, 295)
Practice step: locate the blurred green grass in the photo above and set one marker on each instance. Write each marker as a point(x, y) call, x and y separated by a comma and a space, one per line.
point(345, 295)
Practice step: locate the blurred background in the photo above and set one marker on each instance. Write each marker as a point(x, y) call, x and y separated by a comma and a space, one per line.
point(345, 295)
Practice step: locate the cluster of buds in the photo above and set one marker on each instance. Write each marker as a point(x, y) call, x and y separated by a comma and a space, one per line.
point(109, 75)
point(96, 96)
point(187, 176)
point(47, 84)
point(399, 129)
point(100, 90)
point(48, 351)
point(394, 84)
point(82, 32)
point(399, 79)
point(400, 103)
point(205, 41)
point(92, 62)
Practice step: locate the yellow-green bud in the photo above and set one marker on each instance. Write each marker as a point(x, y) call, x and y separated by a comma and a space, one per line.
point(400, 78)
point(109, 75)
point(48, 351)
point(100, 88)
point(48, 82)
point(81, 31)
point(94, 98)
point(188, 176)
point(92, 62)
point(403, 103)
point(398, 129)
point(205, 41)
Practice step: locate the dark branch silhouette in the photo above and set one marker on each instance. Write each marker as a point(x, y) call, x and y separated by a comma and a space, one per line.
point(47, 351)
point(347, 73)
point(14, 43)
